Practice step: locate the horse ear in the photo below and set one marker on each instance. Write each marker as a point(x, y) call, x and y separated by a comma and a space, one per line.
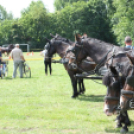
point(77, 37)
point(52, 35)
point(67, 40)
point(57, 35)
point(47, 39)
point(130, 58)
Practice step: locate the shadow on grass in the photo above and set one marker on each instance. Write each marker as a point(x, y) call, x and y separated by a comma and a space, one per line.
point(117, 130)
point(112, 130)
point(10, 78)
point(7, 78)
point(92, 98)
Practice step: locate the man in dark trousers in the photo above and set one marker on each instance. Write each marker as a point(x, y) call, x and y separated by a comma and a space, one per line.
point(47, 62)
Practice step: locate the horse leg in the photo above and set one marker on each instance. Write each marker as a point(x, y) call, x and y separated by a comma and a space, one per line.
point(83, 87)
point(126, 122)
point(118, 120)
point(74, 85)
point(80, 85)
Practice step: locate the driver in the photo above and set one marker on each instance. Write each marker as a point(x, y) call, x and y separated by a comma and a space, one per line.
point(128, 42)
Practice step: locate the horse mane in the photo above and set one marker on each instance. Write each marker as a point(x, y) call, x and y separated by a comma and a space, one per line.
point(59, 42)
point(101, 42)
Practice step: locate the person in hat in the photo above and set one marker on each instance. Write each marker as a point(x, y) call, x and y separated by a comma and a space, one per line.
point(128, 42)
point(47, 61)
point(18, 60)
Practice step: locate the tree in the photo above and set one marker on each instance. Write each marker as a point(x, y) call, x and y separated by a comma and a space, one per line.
point(5, 15)
point(60, 4)
point(34, 21)
point(82, 17)
point(123, 19)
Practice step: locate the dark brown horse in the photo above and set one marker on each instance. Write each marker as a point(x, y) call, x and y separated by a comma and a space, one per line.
point(117, 62)
point(62, 48)
point(7, 49)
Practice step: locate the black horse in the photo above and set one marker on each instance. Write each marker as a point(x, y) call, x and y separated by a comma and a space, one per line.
point(57, 45)
point(117, 62)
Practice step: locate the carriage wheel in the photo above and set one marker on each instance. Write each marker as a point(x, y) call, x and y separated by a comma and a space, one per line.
point(27, 71)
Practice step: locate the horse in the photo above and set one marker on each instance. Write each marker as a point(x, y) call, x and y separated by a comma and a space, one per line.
point(63, 49)
point(114, 83)
point(115, 59)
point(72, 64)
point(7, 49)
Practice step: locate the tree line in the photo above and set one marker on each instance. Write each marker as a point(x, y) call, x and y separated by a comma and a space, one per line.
point(107, 20)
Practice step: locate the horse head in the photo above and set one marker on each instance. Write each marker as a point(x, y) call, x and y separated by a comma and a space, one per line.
point(127, 93)
point(11, 46)
point(56, 45)
point(115, 81)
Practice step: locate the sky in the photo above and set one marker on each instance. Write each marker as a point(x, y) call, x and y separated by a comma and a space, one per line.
point(15, 6)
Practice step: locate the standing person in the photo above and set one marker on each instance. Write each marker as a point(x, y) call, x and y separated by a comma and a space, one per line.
point(128, 42)
point(1, 62)
point(47, 61)
point(18, 60)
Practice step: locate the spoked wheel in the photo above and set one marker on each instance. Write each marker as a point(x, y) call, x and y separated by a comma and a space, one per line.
point(27, 70)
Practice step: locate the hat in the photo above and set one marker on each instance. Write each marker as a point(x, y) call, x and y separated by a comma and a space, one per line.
point(128, 39)
point(16, 45)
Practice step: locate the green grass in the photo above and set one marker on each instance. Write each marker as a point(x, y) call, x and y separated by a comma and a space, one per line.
point(43, 104)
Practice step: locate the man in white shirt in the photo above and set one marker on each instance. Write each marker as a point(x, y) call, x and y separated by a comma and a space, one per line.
point(18, 59)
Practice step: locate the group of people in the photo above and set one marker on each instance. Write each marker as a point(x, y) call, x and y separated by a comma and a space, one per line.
point(18, 61)
point(18, 58)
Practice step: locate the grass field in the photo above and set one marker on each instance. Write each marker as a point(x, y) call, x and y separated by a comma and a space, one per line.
point(43, 104)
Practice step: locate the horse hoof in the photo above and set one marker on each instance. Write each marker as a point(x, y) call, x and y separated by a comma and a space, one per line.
point(81, 92)
point(118, 126)
point(129, 124)
point(123, 130)
point(75, 95)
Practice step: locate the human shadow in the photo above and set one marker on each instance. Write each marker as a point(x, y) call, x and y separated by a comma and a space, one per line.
point(92, 98)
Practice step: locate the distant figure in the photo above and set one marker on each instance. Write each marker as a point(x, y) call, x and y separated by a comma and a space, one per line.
point(18, 60)
point(1, 62)
point(47, 61)
point(128, 42)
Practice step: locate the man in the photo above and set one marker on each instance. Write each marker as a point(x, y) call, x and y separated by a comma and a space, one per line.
point(47, 61)
point(18, 59)
point(128, 42)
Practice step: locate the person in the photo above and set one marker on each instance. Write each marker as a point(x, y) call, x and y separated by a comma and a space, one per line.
point(128, 42)
point(18, 60)
point(47, 62)
point(1, 62)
